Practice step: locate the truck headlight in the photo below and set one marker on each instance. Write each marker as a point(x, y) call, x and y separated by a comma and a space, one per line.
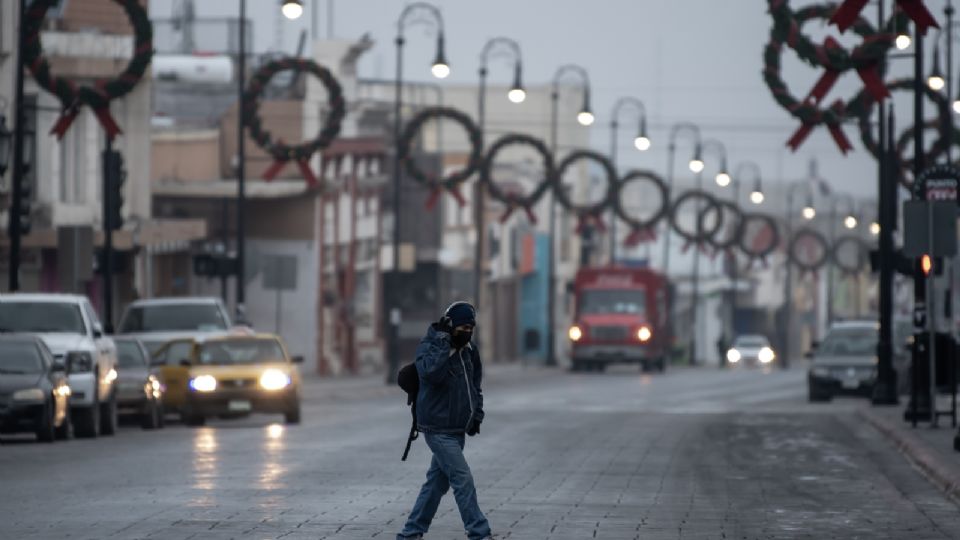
point(79, 362)
point(30, 395)
point(733, 356)
point(766, 355)
point(644, 334)
point(575, 333)
point(274, 379)
point(203, 383)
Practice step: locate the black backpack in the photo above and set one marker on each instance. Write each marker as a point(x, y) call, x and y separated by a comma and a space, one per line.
point(409, 381)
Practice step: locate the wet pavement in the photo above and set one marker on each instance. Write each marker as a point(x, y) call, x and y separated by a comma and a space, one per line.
point(619, 455)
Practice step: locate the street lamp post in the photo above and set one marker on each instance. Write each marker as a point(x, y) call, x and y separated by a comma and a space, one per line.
point(641, 142)
point(831, 270)
point(734, 267)
point(695, 165)
point(708, 145)
point(440, 70)
point(14, 228)
point(808, 214)
point(516, 95)
point(584, 118)
point(241, 166)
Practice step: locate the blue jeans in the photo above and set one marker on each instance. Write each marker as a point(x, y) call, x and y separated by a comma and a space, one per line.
point(448, 468)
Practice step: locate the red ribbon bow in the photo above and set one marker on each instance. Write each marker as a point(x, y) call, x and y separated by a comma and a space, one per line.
point(639, 236)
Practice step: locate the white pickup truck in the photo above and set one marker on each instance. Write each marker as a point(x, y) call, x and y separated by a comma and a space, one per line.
point(72, 331)
point(155, 321)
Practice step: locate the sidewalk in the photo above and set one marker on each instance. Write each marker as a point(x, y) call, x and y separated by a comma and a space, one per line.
point(929, 449)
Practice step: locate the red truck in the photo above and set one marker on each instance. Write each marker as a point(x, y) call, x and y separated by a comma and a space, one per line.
point(620, 317)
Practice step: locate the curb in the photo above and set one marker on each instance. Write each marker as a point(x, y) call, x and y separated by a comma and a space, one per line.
point(929, 464)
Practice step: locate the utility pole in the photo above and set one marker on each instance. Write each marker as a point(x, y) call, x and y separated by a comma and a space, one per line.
point(14, 229)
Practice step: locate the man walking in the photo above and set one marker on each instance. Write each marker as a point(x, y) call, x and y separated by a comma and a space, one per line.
point(449, 406)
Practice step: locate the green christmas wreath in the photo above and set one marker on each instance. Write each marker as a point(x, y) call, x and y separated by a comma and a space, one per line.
point(98, 97)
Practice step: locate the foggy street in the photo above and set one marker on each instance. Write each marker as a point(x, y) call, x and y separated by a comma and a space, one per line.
point(693, 453)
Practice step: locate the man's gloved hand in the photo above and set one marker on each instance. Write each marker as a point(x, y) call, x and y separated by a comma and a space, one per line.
point(474, 428)
point(445, 325)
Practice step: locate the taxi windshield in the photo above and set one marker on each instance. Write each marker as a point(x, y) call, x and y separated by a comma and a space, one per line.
point(241, 351)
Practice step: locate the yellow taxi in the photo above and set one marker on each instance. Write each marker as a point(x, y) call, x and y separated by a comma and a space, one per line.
point(229, 375)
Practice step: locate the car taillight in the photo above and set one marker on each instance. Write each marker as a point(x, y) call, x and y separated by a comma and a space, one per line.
point(644, 334)
point(575, 333)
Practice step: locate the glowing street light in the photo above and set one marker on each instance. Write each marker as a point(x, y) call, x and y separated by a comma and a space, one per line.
point(850, 222)
point(440, 68)
point(585, 117)
point(903, 40)
point(809, 212)
point(292, 9)
point(936, 81)
point(874, 228)
point(756, 196)
point(642, 143)
point(723, 179)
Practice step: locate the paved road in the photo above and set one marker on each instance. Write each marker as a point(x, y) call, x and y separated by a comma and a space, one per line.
point(691, 454)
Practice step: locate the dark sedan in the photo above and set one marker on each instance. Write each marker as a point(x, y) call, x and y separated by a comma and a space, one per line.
point(34, 395)
point(139, 391)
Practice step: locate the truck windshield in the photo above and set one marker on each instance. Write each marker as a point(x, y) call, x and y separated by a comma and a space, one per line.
point(598, 301)
point(173, 318)
point(41, 317)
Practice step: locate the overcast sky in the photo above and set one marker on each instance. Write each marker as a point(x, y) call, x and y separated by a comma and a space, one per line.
point(687, 60)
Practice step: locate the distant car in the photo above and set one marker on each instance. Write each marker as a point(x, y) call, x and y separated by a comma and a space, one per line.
point(229, 375)
point(69, 326)
point(34, 394)
point(751, 350)
point(845, 362)
point(139, 391)
point(156, 321)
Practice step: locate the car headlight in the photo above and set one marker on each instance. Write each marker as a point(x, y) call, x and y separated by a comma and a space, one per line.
point(644, 334)
point(111, 375)
point(733, 356)
point(203, 383)
point(29, 395)
point(274, 379)
point(766, 355)
point(79, 362)
point(820, 371)
point(63, 391)
point(575, 333)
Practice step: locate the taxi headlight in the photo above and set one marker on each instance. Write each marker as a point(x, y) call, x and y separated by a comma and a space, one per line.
point(274, 379)
point(644, 334)
point(203, 383)
point(733, 356)
point(575, 333)
point(28, 395)
point(766, 355)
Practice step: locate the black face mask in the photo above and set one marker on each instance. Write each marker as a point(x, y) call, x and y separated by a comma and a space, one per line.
point(460, 339)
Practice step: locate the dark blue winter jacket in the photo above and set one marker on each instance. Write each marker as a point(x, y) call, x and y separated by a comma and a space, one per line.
point(450, 398)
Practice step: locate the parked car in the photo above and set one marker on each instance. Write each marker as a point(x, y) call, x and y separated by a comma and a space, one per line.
point(34, 394)
point(752, 350)
point(845, 362)
point(156, 321)
point(70, 327)
point(139, 391)
point(229, 375)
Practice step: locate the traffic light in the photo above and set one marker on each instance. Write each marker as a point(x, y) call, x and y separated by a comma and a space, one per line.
point(116, 176)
